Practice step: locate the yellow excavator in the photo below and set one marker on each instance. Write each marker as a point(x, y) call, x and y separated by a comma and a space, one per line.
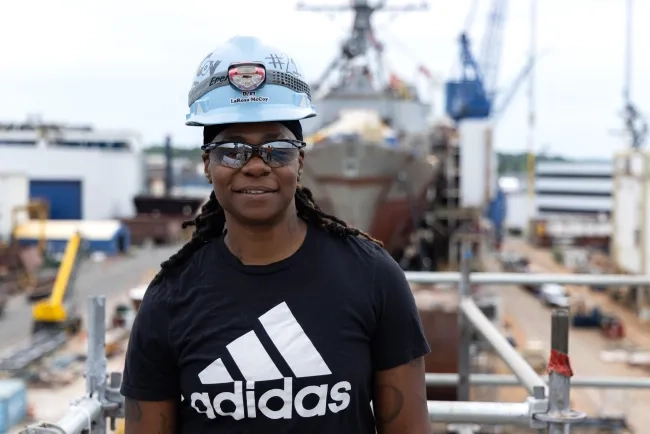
point(55, 317)
point(59, 310)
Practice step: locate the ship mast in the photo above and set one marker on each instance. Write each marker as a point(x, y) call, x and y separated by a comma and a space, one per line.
point(356, 77)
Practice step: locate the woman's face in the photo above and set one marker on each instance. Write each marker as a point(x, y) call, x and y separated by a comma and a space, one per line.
point(256, 193)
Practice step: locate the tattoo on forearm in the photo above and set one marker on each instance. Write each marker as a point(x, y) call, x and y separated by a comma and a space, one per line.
point(132, 410)
point(391, 404)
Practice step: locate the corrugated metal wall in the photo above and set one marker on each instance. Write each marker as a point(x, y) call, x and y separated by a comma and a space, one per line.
point(563, 188)
point(63, 197)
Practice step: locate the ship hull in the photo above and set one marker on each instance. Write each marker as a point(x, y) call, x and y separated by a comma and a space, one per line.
point(376, 189)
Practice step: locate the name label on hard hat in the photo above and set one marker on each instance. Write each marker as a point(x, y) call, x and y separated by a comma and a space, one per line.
point(249, 97)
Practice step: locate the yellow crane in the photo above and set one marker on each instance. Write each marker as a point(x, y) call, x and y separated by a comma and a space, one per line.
point(58, 310)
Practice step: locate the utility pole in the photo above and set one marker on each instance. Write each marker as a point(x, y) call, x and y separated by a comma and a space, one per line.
point(169, 168)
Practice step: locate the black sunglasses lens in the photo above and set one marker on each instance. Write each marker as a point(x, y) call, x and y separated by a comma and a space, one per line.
point(231, 157)
point(236, 155)
point(278, 156)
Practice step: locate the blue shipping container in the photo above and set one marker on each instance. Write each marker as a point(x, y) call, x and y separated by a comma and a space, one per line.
point(13, 403)
point(64, 197)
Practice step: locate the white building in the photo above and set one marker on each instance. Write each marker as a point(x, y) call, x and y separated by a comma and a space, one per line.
point(81, 172)
point(567, 188)
point(630, 242)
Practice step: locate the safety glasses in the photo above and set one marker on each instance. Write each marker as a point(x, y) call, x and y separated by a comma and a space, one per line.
point(275, 153)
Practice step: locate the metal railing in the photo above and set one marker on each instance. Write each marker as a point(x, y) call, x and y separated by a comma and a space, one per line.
point(545, 409)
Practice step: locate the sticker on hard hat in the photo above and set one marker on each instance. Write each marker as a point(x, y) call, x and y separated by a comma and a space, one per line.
point(207, 66)
point(217, 80)
point(284, 63)
point(249, 97)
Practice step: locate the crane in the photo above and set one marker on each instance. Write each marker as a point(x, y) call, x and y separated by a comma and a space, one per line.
point(475, 95)
point(472, 95)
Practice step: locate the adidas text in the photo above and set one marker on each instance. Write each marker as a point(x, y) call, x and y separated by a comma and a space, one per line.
point(339, 399)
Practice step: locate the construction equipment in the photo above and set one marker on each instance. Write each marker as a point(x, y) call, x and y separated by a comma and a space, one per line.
point(58, 310)
point(54, 318)
point(19, 266)
point(35, 209)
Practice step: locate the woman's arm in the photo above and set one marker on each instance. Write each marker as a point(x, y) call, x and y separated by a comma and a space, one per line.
point(150, 383)
point(400, 400)
point(398, 350)
point(149, 417)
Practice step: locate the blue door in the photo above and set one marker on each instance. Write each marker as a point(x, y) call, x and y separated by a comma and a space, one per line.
point(63, 197)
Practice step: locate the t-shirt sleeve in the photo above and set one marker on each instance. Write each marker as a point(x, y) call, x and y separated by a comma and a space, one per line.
point(150, 369)
point(399, 336)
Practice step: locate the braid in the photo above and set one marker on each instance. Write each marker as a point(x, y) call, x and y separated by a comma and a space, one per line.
point(311, 213)
point(209, 224)
point(211, 220)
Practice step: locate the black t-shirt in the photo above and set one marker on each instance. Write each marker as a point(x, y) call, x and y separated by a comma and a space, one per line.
point(289, 347)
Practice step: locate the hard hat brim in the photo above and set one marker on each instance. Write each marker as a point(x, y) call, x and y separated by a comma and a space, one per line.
point(252, 113)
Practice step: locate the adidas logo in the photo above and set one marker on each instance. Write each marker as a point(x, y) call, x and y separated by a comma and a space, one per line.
point(256, 365)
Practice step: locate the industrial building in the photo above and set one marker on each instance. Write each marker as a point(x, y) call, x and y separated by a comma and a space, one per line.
point(573, 188)
point(80, 172)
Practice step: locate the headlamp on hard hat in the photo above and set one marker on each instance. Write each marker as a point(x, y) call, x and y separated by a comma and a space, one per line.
point(247, 76)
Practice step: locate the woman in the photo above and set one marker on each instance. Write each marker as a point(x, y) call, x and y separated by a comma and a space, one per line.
point(289, 321)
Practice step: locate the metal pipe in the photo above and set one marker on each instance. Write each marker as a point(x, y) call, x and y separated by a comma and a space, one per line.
point(511, 380)
point(517, 364)
point(96, 364)
point(464, 327)
point(532, 279)
point(493, 413)
point(79, 417)
point(463, 428)
point(96, 361)
point(496, 413)
point(559, 384)
point(559, 415)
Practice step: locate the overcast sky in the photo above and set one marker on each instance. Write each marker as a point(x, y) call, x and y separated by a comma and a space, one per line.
point(129, 64)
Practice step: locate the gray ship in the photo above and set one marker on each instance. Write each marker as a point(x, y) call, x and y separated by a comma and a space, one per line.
point(368, 161)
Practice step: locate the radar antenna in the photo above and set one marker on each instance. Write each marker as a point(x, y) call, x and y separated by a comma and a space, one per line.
point(357, 77)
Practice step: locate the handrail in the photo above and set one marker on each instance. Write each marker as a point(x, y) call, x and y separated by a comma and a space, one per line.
point(546, 408)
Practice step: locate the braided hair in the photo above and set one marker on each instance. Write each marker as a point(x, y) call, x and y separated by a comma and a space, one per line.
point(210, 222)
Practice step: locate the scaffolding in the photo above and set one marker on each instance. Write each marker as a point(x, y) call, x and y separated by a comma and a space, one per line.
point(545, 409)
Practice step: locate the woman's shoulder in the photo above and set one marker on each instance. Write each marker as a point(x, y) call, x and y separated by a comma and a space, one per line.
point(362, 251)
